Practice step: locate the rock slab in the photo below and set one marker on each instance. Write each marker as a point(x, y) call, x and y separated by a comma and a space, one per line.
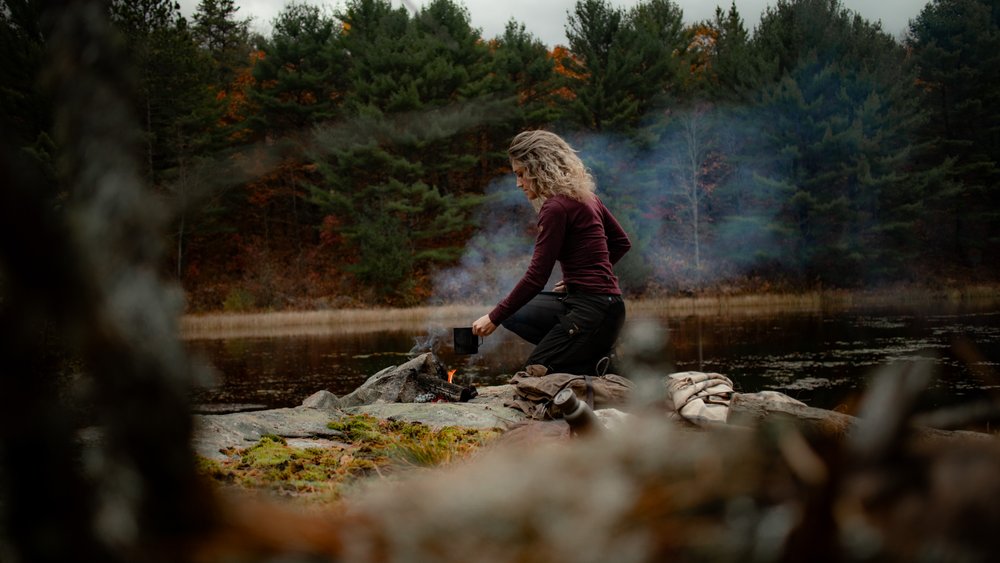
point(216, 436)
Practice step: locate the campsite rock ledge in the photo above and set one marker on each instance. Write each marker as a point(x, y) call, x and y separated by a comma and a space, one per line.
point(307, 425)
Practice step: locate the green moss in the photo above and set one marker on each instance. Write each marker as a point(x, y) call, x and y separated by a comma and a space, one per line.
point(267, 453)
point(378, 448)
point(361, 429)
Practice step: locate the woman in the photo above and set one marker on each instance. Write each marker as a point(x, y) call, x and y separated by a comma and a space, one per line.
point(573, 327)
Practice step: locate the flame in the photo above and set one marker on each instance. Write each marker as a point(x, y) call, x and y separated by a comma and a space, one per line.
point(451, 374)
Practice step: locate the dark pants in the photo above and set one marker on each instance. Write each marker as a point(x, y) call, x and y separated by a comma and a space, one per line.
point(571, 332)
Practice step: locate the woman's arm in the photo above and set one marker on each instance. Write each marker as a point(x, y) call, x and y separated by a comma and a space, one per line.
point(618, 241)
point(548, 243)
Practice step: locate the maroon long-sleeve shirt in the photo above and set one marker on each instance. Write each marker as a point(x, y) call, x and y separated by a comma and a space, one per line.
point(587, 241)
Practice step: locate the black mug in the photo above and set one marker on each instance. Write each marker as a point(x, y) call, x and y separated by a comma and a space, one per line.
point(465, 341)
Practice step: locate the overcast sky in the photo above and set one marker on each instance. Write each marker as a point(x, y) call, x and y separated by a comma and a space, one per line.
point(546, 19)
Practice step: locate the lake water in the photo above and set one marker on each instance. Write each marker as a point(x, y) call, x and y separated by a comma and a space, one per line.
point(823, 359)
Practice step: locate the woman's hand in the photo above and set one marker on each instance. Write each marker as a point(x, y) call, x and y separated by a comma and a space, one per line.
point(483, 326)
point(560, 287)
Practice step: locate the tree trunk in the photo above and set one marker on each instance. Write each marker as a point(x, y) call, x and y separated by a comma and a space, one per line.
point(180, 247)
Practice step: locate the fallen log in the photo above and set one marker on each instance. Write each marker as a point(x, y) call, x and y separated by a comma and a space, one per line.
point(755, 409)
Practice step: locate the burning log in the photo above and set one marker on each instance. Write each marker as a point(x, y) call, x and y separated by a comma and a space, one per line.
point(445, 389)
point(423, 375)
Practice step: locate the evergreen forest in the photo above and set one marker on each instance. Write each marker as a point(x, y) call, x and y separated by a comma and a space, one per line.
point(355, 155)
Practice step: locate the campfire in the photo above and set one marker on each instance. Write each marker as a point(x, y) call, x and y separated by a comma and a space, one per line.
point(446, 389)
point(448, 394)
point(443, 389)
point(423, 379)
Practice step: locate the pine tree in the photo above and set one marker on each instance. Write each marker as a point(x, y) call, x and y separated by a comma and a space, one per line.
point(624, 70)
point(657, 42)
point(834, 147)
point(171, 97)
point(25, 110)
point(226, 38)
point(300, 77)
point(734, 71)
point(199, 187)
point(522, 69)
point(398, 175)
point(595, 31)
point(623, 64)
point(956, 51)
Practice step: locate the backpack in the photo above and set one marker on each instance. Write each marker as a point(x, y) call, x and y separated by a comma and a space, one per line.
point(700, 398)
point(535, 389)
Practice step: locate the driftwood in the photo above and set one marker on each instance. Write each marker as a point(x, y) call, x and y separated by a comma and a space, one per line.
point(753, 409)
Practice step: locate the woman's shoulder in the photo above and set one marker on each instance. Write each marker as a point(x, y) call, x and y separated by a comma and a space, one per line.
point(559, 205)
point(567, 202)
point(569, 209)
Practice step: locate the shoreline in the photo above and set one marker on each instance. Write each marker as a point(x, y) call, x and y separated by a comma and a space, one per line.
point(360, 321)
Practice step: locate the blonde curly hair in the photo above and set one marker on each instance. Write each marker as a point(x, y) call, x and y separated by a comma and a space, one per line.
point(552, 164)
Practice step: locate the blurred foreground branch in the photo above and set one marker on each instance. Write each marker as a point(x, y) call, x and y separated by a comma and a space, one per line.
point(82, 294)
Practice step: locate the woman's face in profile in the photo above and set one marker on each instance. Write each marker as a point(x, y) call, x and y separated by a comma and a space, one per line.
point(524, 182)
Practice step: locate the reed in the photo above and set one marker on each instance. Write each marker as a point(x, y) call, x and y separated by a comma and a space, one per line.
point(339, 321)
point(728, 304)
point(818, 301)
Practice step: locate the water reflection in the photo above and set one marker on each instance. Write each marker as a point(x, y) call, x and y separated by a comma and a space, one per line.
point(827, 360)
point(271, 372)
point(822, 359)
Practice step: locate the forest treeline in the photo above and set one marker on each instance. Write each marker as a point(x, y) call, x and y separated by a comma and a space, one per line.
point(356, 155)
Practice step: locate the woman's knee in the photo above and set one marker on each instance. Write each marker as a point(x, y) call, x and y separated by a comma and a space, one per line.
point(536, 319)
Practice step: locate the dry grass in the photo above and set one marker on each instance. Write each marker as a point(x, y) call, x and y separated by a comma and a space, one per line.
point(817, 301)
point(729, 304)
point(358, 321)
point(341, 321)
